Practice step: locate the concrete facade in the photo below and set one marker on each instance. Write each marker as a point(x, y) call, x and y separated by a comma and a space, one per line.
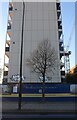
point(40, 23)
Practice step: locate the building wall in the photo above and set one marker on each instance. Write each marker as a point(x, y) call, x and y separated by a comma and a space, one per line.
point(40, 23)
point(0, 75)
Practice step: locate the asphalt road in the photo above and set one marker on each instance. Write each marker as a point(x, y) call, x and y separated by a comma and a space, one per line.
point(40, 116)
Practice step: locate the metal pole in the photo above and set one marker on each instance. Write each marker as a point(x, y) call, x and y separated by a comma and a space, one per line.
point(21, 57)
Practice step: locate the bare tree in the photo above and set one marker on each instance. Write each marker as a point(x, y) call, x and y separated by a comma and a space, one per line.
point(43, 60)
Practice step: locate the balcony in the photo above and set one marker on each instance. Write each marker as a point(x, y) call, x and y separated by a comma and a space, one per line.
point(60, 43)
point(8, 27)
point(10, 8)
point(60, 32)
point(10, 14)
point(7, 49)
point(7, 54)
point(6, 64)
point(59, 24)
point(62, 73)
point(8, 42)
point(61, 48)
point(61, 65)
point(58, 6)
point(58, 14)
point(5, 73)
point(61, 54)
point(9, 33)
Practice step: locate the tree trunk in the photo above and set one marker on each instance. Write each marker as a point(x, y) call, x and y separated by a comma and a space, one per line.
point(43, 88)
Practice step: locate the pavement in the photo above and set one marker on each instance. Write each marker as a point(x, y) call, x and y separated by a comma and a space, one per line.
point(39, 109)
point(35, 107)
point(39, 105)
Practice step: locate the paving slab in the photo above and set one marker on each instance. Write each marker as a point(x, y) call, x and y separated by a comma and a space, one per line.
point(40, 106)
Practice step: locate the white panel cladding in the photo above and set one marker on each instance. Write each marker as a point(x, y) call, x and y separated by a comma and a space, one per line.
point(17, 25)
point(17, 6)
point(39, 23)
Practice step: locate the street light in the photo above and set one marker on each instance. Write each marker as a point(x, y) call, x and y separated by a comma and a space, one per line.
point(21, 57)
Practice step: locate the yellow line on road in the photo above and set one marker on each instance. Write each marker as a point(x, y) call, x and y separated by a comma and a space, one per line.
point(39, 95)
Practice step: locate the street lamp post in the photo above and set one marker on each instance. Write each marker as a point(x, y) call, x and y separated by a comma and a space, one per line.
point(21, 58)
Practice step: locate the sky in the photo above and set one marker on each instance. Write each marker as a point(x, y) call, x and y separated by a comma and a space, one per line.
point(68, 17)
point(76, 34)
point(3, 28)
point(68, 20)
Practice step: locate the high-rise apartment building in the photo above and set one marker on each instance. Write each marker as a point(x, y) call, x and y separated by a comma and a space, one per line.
point(42, 20)
point(0, 75)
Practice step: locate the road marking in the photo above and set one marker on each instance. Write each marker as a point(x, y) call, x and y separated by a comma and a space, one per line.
point(40, 95)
